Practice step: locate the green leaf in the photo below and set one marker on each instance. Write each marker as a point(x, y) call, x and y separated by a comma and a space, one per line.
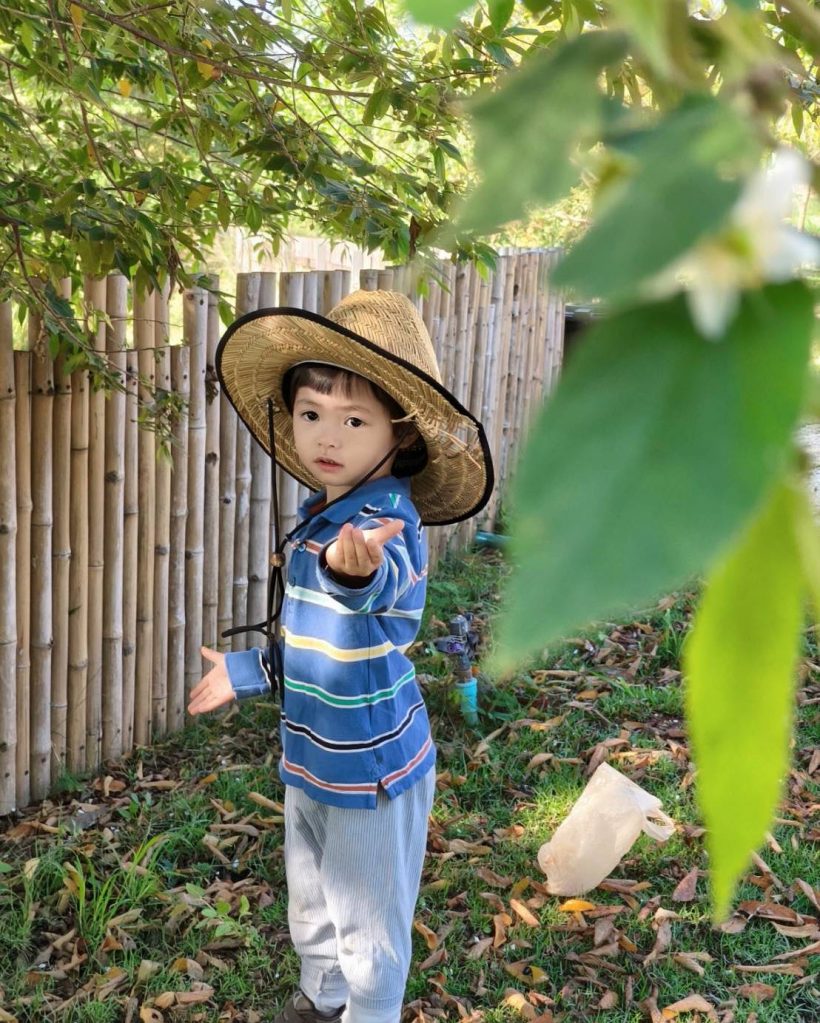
point(677, 194)
point(442, 13)
point(500, 13)
point(739, 662)
point(653, 451)
point(524, 136)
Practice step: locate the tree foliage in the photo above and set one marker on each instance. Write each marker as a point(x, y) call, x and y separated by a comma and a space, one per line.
point(668, 449)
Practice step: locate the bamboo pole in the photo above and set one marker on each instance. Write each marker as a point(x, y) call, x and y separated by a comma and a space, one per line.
point(76, 738)
point(368, 279)
point(22, 444)
point(130, 543)
point(180, 359)
point(162, 524)
point(8, 567)
point(210, 579)
point(291, 293)
point(61, 556)
point(95, 294)
point(333, 289)
point(42, 462)
point(116, 303)
point(247, 299)
point(501, 380)
point(195, 335)
point(228, 421)
point(144, 306)
point(260, 507)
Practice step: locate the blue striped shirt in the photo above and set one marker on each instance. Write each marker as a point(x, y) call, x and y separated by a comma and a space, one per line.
point(353, 718)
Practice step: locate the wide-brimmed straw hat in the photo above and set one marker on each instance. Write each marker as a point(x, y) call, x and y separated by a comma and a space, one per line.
point(380, 336)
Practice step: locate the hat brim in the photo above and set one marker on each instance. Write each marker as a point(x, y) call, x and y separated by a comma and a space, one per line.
point(259, 348)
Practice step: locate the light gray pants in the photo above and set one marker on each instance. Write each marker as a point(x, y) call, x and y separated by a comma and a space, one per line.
point(353, 878)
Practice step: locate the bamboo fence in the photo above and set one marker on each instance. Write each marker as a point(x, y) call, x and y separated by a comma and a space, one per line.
point(118, 560)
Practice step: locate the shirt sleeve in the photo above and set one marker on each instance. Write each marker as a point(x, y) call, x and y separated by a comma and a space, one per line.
point(249, 672)
point(391, 580)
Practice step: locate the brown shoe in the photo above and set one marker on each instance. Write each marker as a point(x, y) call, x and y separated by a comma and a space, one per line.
point(300, 1009)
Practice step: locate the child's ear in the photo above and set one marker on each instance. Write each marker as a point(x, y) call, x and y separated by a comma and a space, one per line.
point(411, 437)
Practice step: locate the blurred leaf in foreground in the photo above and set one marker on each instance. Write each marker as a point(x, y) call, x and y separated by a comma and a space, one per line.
point(739, 664)
point(653, 453)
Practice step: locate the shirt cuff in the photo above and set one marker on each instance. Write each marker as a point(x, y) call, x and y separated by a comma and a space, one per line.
point(353, 597)
point(246, 673)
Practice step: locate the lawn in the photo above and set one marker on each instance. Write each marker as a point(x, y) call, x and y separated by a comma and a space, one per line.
point(155, 891)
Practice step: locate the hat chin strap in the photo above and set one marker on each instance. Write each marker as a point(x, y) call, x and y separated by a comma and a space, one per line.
point(276, 579)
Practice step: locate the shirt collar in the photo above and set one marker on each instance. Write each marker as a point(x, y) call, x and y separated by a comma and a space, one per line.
point(349, 504)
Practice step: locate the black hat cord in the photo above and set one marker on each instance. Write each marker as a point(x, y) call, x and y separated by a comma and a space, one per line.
point(276, 579)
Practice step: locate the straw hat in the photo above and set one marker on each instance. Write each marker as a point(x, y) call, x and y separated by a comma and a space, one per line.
point(380, 336)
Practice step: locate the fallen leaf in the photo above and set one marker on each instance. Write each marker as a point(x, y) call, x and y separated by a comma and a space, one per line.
point(491, 878)
point(458, 845)
point(429, 935)
point(479, 948)
point(526, 972)
point(811, 894)
point(685, 890)
point(515, 1000)
point(538, 760)
point(790, 969)
point(575, 906)
point(809, 930)
point(439, 956)
point(609, 1000)
point(770, 911)
point(760, 992)
point(501, 921)
point(692, 1003)
point(521, 910)
point(797, 952)
point(663, 940)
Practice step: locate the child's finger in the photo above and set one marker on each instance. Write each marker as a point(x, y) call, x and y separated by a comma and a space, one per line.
point(214, 656)
point(361, 558)
point(381, 534)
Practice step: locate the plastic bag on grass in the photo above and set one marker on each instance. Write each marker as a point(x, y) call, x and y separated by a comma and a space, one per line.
point(601, 828)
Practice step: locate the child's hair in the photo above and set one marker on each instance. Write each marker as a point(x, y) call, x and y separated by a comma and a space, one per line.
point(324, 379)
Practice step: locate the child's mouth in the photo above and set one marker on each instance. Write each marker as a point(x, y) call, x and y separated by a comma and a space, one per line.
point(327, 463)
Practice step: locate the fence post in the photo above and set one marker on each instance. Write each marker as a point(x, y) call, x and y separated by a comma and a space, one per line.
point(180, 360)
point(8, 565)
point(42, 409)
point(95, 293)
point(144, 313)
point(195, 332)
point(113, 545)
point(162, 525)
point(61, 556)
point(210, 581)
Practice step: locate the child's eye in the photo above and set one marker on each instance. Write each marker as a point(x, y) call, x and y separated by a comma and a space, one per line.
point(354, 421)
point(309, 415)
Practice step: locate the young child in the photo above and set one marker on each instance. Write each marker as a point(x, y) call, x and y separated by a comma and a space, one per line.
point(352, 405)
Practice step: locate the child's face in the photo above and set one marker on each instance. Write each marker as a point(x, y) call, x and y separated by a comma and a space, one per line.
point(340, 437)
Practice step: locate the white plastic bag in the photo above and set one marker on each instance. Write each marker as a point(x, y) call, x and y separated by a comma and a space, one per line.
point(601, 828)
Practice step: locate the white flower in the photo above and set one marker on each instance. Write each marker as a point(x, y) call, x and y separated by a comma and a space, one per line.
point(708, 9)
point(755, 246)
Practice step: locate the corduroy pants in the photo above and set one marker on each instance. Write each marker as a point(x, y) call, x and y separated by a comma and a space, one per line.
point(353, 878)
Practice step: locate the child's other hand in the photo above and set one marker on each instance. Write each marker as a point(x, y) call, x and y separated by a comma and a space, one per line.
point(359, 552)
point(213, 689)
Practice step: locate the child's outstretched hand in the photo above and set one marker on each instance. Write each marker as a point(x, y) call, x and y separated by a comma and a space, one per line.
point(213, 689)
point(359, 552)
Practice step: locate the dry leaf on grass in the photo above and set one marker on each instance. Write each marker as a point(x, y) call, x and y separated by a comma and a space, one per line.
point(501, 921)
point(521, 910)
point(760, 992)
point(692, 1003)
point(491, 878)
point(477, 951)
point(575, 906)
point(526, 972)
point(429, 935)
point(685, 890)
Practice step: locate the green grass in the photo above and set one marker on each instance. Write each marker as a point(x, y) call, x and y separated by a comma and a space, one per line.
point(147, 853)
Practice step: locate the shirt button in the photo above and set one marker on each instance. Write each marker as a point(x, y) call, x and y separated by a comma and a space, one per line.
point(301, 547)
